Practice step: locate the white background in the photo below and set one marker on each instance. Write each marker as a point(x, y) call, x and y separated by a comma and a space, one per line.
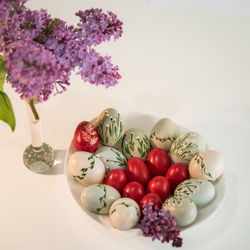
point(187, 60)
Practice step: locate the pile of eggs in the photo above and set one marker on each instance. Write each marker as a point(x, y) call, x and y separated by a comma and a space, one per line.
point(121, 170)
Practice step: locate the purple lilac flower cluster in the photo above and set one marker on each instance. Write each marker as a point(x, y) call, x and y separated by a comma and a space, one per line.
point(40, 51)
point(160, 224)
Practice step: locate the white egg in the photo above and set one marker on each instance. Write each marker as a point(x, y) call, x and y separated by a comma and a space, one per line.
point(111, 158)
point(86, 168)
point(183, 209)
point(110, 127)
point(135, 144)
point(201, 192)
point(163, 134)
point(98, 198)
point(124, 214)
point(207, 165)
point(186, 146)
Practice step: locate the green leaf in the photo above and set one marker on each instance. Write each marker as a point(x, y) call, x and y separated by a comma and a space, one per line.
point(6, 111)
point(104, 203)
point(125, 204)
point(47, 31)
point(139, 150)
point(127, 150)
point(3, 72)
point(113, 211)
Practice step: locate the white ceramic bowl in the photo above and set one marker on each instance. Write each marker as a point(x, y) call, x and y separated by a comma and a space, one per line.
point(145, 122)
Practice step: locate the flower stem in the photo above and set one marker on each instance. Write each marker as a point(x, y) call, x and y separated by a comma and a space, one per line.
point(14, 5)
point(33, 109)
point(48, 30)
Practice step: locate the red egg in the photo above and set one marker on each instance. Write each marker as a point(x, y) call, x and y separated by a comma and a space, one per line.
point(151, 198)
point(161, 186)
point(137, 170)
point(116, 178)
point(158, 162)
point(133, 190)
point(86, 137)
point(176, 174)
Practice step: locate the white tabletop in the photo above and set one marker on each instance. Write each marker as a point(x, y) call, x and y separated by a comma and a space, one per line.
point(187, 62)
